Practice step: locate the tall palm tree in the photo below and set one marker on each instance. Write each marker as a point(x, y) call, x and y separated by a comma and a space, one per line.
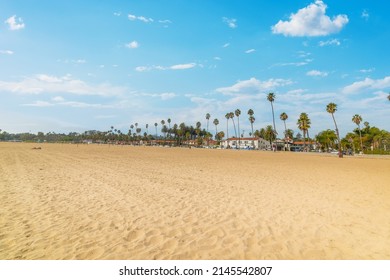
point(147, 129)
point(156, 124)
point(208, 118)
point(238, 113)
point(162, 128)
point(271, 98)
point(216, 123)
point(251, 119)
point(304, 125)
point(231, 115)
point(169, 127)
point(131, 129)
point(284, 117)
point(227, 116)
point(331, 108)
point(357, 119)
point(388, 97)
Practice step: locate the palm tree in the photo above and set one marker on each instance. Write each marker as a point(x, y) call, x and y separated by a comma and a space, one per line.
point(156, 124)
point(331, 108)
point(269, 134)
point(227, 116)
point(251, 121)
point(231, 115)
point(388, 97)
point(284, 117)
point(271, 98)
point(208, 118)
point(147, 129)
point(216, 123)
point(290, 133)
point(357, 119)
point(238, 113)
point(251, 118)
point(304, 125)
point(169, 127)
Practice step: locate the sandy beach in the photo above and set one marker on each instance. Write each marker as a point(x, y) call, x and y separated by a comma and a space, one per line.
point(65, 201)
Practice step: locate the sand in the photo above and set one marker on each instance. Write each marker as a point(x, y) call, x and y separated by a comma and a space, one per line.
point(119, 202)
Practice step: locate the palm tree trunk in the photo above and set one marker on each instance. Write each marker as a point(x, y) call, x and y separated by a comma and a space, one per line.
point(235, 131)
point(285, 135)
point(239, 134)
point(253, 142)
point(361, 142)
point(273, 116)
point(227, 128)
point(338, 137)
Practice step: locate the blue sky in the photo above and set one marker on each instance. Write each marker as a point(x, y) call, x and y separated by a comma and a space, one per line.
point(79, 65)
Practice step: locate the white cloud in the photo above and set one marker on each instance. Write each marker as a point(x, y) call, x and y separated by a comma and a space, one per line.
point(39, 104)
point(73, 104)
point(144, 19)
point(117, 14)
point(365, 15)
point(183, 66)
point(296, 91)
point(298, 64)
point(250, 51)
point(173, 67)
point(132, 17)
point(367, 70)
point(58, 99)
point(316, 73)
point(217, 58)
point(140, 18)
point(367, 84)
point(226, 45)
point(310, 21)
point(303, 54)
point(231, 22)
point(43, 83)
point(335, 42)
point(253, 86)
point(132, 45)
point(142, 68)
point(162, 96)
point(72, 61)
point(6, 52)
point(15, 23)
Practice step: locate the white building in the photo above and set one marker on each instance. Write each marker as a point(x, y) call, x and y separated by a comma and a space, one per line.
point(246, 143)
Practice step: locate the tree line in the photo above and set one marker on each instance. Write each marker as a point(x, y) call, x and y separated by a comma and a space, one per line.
point(366, 139)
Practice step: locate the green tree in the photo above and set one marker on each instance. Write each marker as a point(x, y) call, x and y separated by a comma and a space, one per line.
point(331, 108)
point(251, 121)
point(271, 98)
point(156, 124)
point(238, 113)
point(169, 127)
point(216, 123)
point(227, 116)
point(208, 118)
point(284, 117)
point(269, 134)
point(304, 125)
point(357, 119)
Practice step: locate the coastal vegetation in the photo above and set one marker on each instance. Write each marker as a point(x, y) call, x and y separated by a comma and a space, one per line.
point(369, 139)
